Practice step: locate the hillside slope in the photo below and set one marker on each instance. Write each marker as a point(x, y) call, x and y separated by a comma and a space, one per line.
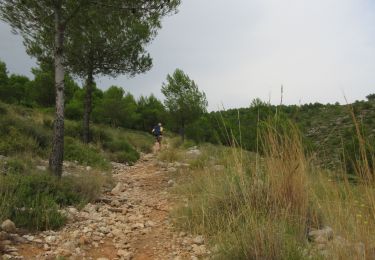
point(328, 130)
point(29, 195)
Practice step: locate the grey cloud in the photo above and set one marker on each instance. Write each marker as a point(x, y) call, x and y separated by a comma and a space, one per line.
point(242, 49)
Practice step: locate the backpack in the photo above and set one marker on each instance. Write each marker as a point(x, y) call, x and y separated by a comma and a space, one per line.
point(157, 130)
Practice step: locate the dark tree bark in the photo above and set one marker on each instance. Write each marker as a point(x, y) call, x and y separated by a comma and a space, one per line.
point(87, 108)
point(57, 153)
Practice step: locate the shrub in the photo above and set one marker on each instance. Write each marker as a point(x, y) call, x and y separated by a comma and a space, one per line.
point(117, 145)
point(121, 151)
point(125, 157)
point(73, 129)
point(48, 123)
point(85, 154)
point(3, 109)
point(140, 140)
point(99, 134)
point(33, 201)
point(40, 213)
point(29, 202)
point(41, 135)
point(14, 142)
point(19, 136)
point(15, 165)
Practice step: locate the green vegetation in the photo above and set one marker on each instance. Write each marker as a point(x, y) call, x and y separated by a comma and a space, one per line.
point(33, 200)
point(31, 196)
point(328, 131)
point(262, 206)
point(113, 107)
point(255, 198)
point(183, 100)
point(88, 38)
point(251, 210)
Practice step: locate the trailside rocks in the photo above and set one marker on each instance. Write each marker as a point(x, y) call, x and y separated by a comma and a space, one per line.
point(194, 151)
point(118, 189)
point(322, 235)
point(324, 243)
point(8, 226)
point(123, 223)
point(199, 240)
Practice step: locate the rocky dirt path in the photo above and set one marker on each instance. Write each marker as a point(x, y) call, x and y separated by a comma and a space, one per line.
point(129, 222)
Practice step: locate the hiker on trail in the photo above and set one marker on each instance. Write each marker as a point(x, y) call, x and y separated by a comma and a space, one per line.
point(158, 133)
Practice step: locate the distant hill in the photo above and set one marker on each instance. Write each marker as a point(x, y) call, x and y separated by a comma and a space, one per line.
point(328, 130)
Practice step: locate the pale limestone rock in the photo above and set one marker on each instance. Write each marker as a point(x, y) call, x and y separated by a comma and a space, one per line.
point(172, 169)
point(199, 240)
point(50, 239)
point(150, 223)
point(117, 189)
point(325, 233)
point(8, 226)
point(41, 168)
point(115, 203)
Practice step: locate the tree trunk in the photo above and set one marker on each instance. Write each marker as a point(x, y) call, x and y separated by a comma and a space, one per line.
point(87, 108)
point(57, 153)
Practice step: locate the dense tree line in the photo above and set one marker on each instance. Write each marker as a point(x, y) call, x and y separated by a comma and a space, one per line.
point(113, 106)
point(183, 110)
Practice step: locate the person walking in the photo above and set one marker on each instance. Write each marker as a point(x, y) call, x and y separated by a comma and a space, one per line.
point(158, 133)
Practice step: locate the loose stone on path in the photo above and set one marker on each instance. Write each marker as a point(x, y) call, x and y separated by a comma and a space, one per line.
point(130, 221)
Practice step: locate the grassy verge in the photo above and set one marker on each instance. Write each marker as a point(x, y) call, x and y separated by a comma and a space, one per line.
point(262, 207)
point(33, 200)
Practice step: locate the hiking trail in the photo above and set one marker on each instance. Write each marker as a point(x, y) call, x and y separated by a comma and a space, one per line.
point(131, 221)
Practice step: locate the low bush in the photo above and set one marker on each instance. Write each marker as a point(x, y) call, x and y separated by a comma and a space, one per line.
point(139, 140)
point(15, 165)
point(124, 157)
point(117, 145)
point(73, 129)
point(100, 134)
point(29, 201)
point(3, 109)
point(15, 142)
point(85, 154)
point(121, 151)
point(33, 200)
point(19, 136)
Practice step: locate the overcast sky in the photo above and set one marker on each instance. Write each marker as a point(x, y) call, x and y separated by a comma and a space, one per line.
point(238, 50)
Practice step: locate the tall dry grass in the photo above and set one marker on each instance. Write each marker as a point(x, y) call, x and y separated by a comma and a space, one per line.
point(263, 206)
point(254, 211)
point(350, 207)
